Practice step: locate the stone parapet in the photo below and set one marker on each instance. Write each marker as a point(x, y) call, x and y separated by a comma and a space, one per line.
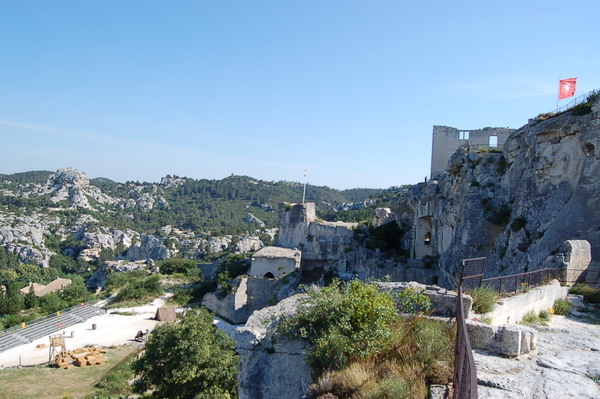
point(512, 309)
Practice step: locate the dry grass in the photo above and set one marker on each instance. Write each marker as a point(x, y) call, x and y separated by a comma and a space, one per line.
point(419, 353)
point(44, 382)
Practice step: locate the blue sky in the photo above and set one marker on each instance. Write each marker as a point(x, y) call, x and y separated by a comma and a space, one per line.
point(350, 90)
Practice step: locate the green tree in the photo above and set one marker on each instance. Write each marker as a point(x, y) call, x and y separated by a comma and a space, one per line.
point(13, 303)
point(30, 299)
point(75, 292)
point(192, 359)
point(51, 303)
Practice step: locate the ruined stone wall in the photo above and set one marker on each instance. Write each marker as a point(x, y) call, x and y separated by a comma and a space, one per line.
point(294, 220)
point(250, 294)
point(446, 140)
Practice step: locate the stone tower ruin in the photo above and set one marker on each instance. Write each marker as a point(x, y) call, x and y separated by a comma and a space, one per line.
point(446, 140)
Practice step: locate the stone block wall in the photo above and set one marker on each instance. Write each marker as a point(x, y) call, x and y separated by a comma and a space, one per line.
point(275, 262)
point(446, 140)
point(513, 309)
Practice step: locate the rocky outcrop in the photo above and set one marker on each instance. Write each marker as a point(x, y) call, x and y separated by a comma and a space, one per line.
point(512, 206)
point(29, 254)
point(219, 244)
point(250, 218)
point(271, 368)
point(100, 277)
point(149, 248)
point(248, 244)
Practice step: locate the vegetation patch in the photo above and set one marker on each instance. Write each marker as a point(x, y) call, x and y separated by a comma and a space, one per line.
point(363, 348)
point(590, 294)
point(561, 307)
point(192, 359)
point(484, 298)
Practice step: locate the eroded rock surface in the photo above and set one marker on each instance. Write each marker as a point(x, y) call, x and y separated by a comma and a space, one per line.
point(566, 364)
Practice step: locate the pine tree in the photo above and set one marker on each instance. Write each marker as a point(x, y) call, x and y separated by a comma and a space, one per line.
point(30, 298)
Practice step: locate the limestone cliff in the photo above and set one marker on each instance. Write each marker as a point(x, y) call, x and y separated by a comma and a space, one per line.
point(515, 206)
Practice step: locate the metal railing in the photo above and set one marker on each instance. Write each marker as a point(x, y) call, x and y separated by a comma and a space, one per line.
point(465, 374)
point(574, 102)
point(29, 323)
point(515, 282)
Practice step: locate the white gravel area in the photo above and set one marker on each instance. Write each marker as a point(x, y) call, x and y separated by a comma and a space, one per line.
point(111, 330)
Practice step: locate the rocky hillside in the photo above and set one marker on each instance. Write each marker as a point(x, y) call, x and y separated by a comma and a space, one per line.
point(515, 206)
point(46, 216)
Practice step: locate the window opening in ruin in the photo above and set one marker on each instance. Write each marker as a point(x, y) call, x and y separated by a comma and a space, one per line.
point(269, 275)
point(493, 141)
point(428, 238)
point(463, 135)
point(434, 280)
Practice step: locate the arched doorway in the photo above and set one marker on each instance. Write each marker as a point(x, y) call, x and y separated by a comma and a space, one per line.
point(269, 275)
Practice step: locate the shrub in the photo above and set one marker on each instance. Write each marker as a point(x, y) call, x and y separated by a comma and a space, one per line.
point(531, 318)
point(518, 223)
point(343, 321)
point(192, 359)
point(418, 353)
point(176, 265)
point(413, 301)
point(561, 307)
point(590, 294)
point(582, 109)
point(484, 298)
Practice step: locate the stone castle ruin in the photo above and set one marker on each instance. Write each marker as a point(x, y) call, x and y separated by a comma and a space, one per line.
point(446, 140)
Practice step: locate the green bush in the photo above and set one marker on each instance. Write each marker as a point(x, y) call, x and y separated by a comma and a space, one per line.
point(484, 298)
point(561, 307)
point(413, 301)
point(590, 294)
point(531, 318)
point(343, 322)
point(176, 265)
point(582, 109)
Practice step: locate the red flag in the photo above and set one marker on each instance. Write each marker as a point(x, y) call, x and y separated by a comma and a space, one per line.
point(305, 172)
point(567, 88)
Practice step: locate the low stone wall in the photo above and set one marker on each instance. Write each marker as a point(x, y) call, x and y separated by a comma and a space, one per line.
point(509, 340)
point(514, 308)
point(443, 301)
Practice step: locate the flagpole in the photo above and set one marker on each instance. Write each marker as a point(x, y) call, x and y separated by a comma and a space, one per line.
point(558, 95)
point(304, 191)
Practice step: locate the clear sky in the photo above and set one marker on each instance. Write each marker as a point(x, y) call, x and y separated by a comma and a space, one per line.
point(350, 90)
